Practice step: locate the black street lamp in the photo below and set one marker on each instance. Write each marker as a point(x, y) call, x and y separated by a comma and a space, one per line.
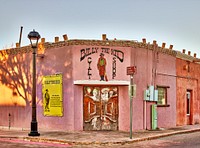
point(34, 37)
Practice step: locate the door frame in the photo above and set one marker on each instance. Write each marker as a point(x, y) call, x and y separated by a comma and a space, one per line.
point(189, 95)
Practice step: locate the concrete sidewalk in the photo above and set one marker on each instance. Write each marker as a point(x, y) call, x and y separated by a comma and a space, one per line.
point(95, 137)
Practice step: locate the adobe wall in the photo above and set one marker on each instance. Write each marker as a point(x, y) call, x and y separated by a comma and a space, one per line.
point(187, 79)
point(70, 58)
point(148, 62)
point(166, 77)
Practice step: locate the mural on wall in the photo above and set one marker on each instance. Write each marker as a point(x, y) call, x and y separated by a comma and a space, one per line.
point(52, 95)
point(100, 108)
point(102, 61)
point(101, 65)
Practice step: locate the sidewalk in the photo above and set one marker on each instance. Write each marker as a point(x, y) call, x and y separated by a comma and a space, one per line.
point(95, 137)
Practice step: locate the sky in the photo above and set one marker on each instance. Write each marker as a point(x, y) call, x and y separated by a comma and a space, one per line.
point(175, 22)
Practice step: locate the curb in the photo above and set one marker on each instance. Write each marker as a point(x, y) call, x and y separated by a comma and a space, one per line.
point(128, 141)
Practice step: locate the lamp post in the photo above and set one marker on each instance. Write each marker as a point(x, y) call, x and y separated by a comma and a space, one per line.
point(34, 37)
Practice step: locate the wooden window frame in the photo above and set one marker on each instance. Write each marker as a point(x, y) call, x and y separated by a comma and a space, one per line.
point(166, 98)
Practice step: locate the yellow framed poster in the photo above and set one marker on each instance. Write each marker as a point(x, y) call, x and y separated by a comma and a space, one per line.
point(52, 95)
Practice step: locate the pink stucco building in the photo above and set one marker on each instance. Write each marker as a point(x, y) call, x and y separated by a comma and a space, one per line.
point(95, 92)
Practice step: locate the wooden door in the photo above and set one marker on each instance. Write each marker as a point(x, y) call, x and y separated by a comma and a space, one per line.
point(100, 106)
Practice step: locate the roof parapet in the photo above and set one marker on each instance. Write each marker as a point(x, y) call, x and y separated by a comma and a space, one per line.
point(42, 40)
point(104, 37)
point(163, 45)
point(144, 40)
point(56, 39)
point(17, 45)
point(154, 42)
point(171, 46)
point(65, 37)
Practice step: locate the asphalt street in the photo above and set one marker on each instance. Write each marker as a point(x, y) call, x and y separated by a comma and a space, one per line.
point(189, 140)
point(180, 136)
point(18, 143)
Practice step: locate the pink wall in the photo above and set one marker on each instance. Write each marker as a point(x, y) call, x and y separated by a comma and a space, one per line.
point(58, 60)
point(11, 82)
point(80, 67)
point(124, 109)
point(80, 72)
point(142, 58)
point(146, 60)
point(166, 77)
point(67, 60)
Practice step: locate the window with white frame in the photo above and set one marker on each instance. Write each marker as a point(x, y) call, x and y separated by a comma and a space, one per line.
point(188, 102)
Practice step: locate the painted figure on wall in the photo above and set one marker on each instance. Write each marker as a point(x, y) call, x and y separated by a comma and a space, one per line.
point(47, 99)
point(100, 106)
point(95, 94)
point(101, 65)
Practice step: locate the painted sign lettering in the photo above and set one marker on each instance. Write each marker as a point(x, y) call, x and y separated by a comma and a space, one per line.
point(118, 54)
point(88, 51)
point(114, 68)
point(89, 69)
point(105, 50)
point(101, 65)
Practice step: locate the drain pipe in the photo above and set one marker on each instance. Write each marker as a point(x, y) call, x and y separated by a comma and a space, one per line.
point(145, 102)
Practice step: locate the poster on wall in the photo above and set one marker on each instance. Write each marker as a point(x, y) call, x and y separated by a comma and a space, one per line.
point(52, 95)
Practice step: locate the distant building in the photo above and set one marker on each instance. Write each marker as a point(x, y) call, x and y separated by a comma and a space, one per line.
point(188, 76)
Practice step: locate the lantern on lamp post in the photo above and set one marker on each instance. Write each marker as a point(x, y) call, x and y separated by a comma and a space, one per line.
point(34, 37)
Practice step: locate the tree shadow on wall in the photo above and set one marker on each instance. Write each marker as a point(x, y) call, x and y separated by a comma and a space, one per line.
point(55, 61)
point(16, 71)
point(16, 75)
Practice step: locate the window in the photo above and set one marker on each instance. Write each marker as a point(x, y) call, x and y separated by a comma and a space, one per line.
point(162, 95)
